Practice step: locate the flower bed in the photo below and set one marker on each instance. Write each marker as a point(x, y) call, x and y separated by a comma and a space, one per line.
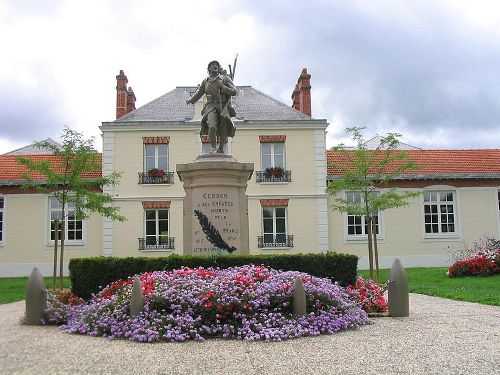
point(482, 258)
point(477, 265)
point(60, 303)
point(248, 303)
point(369, 295)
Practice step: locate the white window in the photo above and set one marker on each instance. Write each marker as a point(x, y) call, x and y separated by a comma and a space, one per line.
point(357, 225)
point(156, 157)
point(440, 212)
point(274, 226)
point(73, 230)
point(272, 155)
point(156, 228)
point(1, 219)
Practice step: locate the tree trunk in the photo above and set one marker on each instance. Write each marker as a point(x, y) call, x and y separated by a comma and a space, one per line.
point(375, 247)
point(370, 246)
point(61, 261)
point(56, 238)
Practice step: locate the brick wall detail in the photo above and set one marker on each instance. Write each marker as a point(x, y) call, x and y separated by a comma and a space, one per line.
point(155, 204)
point(274, 202)
point(156, 140)
point(272, 138)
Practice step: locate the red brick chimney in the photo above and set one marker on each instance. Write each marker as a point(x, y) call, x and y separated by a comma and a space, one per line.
point(295, 97)
point(301, 95)
point(130, 100)
point(125, 98)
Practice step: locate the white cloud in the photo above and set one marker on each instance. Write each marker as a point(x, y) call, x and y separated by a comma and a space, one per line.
point(417, 67)
point(481, 14)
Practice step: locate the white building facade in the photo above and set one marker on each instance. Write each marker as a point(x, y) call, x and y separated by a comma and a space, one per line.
point(288, 209)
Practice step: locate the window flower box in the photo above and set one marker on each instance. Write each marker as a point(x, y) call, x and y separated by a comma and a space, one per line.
point(274, 172)
point(154, 172)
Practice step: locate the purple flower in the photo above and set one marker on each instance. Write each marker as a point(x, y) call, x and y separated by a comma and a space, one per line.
point(244, 303)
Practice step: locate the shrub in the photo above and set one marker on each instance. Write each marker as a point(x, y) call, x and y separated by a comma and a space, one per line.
point(484, 244)
point(482, 258)
point(89, 275)
point(474, 266)
point(248, 302)
point(368, 294)
point(490, 254)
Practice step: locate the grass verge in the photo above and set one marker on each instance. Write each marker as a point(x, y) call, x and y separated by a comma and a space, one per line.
point(434, 282)
point(14, 288)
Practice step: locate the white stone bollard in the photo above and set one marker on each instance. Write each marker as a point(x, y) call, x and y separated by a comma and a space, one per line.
point(399, 297)
point(36, 298)
point(299, 297)
point(137, 298)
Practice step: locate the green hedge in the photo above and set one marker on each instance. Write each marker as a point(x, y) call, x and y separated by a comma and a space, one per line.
point(89, 274)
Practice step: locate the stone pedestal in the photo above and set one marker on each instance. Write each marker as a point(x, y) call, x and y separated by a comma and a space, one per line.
point(215, 205)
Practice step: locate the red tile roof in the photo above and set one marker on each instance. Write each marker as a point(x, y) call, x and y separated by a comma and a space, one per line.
point(430, 162)
point(440, 163)
point(11, 170)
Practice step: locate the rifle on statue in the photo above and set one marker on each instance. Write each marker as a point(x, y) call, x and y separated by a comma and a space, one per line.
point(232, 71)
point(227, 111)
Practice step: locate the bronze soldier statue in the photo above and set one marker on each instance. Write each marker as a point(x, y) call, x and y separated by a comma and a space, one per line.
point(217, 112)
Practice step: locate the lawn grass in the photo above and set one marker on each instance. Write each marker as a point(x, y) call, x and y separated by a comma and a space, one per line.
point(434, 282)
point(14, 288)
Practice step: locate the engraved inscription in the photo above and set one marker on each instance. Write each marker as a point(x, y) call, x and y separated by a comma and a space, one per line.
point(218, 212)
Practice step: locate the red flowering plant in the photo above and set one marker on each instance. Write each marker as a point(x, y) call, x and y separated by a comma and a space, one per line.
point(481, 258)
point(369, 295)
point(479, 266)
point(147, 284)
point(69, 298)
point(216, 306)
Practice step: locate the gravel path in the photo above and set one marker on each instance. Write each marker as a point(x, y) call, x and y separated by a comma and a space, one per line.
point(441, 336)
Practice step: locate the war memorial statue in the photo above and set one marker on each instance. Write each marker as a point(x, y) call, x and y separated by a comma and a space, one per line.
point(217, 112)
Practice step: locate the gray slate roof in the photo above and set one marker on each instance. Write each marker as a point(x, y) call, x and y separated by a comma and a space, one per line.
point(34, 150)
point(374, 142)
point(250, 104)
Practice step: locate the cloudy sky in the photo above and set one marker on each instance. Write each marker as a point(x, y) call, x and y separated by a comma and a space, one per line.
point(427, 69)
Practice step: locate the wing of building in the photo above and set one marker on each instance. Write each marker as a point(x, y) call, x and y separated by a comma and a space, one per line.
point(289, 211)
point(459, 202)
point(26, 220)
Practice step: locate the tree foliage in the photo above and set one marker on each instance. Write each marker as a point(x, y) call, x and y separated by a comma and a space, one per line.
point(73, 177)
point(369, 172)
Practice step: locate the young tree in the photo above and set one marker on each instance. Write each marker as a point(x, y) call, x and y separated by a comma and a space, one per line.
point(73, 177)
point(366, 171)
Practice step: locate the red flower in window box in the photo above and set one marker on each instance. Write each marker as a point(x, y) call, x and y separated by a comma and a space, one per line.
point(154, 172)
point(274, 172)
